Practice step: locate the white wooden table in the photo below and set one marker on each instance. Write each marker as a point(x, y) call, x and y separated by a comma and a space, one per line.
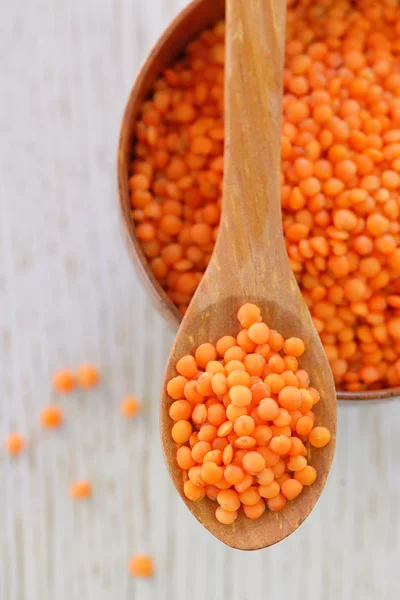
point(68, 294)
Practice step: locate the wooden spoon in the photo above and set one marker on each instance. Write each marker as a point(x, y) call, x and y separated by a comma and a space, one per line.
point(249, 262)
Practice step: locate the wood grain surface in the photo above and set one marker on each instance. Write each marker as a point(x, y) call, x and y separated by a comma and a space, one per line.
point(68, 294)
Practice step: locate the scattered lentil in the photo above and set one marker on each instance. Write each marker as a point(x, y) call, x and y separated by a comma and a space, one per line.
point(14, 443)
point(87, 376)
point(130, 406)
point(51, 417)
point(80, 489)
point(141, 565)
point(63, 381)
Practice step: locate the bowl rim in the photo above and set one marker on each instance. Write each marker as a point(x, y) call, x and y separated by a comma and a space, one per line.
point(137, 93)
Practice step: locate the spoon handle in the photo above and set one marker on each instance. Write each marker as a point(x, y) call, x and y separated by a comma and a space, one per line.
point(253, 105)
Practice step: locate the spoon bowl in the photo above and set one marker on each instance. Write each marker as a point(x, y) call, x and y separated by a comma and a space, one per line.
point(217, 320)
point(194, 18)
point(249, 262)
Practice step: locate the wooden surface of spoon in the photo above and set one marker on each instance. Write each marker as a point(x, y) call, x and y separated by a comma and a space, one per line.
point(249, 262)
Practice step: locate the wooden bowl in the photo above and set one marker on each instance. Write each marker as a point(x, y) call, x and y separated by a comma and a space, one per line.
point(197, 16)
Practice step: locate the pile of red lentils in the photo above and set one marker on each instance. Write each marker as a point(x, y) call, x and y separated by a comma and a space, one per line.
point(242, 413)
point(340, 176)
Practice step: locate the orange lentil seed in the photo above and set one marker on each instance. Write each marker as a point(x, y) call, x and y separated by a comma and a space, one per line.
point(63, 381)
point(130, 406)
point(14, 443)
point(87, 376)
point(80, 489)
point(141, 565)
point(225, 517)
point(319, 437)
point(51, 417)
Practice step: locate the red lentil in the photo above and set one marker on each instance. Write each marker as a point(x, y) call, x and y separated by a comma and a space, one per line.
point(80, 489)
point(130, 406)
point(248, 441)
point(87, 376)
point(51, 417)
point(14, 443)
point(141, 565)
point(63, 381)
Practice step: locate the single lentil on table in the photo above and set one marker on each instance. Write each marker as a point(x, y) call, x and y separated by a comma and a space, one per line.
point(51, 417)
point(63, 381)
point(88, 376)
point(80, 489)
point(242, 413)
point(141, 565)
point(129, 407)
point(339, 185)
point(14, 443)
